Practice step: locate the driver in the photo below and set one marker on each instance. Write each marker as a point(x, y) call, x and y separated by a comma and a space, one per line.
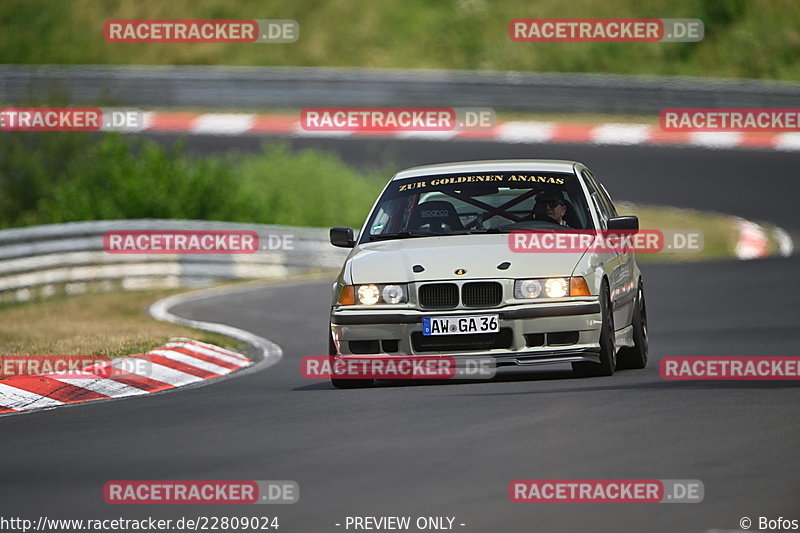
point(551, 207)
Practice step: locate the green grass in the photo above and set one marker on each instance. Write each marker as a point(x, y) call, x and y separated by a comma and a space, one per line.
point(743, 38)
point(719, 231)
point(106, 324)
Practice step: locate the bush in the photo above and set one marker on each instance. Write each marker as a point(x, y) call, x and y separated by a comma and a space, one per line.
point(55, 177)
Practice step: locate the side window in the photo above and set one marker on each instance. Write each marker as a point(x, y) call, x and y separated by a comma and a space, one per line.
point(606, 206)
point(594, 194)
point(601, 208)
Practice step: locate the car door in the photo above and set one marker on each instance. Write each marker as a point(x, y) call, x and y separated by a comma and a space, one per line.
point(619, 265)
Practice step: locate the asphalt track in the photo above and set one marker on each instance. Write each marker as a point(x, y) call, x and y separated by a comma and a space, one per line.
point(451, 449)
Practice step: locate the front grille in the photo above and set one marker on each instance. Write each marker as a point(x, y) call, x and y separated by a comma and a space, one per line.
point(438, 295)
point(482, 294)
point(453, 343)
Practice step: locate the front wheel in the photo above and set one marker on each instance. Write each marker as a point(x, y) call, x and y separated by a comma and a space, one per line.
point(608, 359)
point(345, 383)
point(636, 356)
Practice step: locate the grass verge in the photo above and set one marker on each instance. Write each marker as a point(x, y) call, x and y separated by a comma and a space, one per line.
point(720, 232)
point(107, 324)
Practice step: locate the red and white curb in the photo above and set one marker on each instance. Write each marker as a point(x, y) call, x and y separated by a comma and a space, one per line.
point(176, 364)
point(523, 132)
point(179, 363)
point(753, 242)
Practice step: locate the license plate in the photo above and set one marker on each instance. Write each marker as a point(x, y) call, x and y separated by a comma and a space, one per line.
point(460, 325)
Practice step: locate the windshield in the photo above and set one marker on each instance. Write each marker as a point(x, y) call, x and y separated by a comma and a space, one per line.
point(462, 204)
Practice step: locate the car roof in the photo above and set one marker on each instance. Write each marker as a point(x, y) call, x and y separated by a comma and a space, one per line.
point(491, 165)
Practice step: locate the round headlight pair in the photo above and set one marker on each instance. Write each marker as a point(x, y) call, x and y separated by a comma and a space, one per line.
point(540, 288)
point(372, 294)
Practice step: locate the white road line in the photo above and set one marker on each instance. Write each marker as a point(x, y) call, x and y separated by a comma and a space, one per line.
point(624, 134)
point(223, 123)
point(191, 361)
point(715, 139)
point(433, 135)
point(300, 132)
point(788, 141)
point(525, 132)
point(19, 399)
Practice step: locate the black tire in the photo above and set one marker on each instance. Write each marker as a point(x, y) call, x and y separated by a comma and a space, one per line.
point(608, 359)
point(636, 357)
point(346, 383)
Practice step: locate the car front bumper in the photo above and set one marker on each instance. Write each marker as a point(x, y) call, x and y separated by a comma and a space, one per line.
point(541, 333)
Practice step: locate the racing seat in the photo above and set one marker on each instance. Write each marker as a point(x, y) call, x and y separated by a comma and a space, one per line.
point(570, 218)
point(436, 216)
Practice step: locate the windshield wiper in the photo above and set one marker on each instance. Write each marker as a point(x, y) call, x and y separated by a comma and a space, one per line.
point(487, 230)
point(403, 235)
point(418, 233)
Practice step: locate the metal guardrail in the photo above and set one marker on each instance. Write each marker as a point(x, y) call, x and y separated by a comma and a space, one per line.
point(290, 87)
point(41, 261)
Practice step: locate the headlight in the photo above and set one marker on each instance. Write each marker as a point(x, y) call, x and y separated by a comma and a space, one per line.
point(550, 288)
point(371, 294)
point(556, 287)
point(368, 294)
point(527, 288)
point(393, 294)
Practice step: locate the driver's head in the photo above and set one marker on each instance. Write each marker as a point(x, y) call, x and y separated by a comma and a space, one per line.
point(550, 204)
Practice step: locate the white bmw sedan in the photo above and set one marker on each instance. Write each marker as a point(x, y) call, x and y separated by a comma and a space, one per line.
point(444, 266)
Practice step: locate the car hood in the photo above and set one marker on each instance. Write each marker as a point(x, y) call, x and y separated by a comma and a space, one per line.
point(393, 261)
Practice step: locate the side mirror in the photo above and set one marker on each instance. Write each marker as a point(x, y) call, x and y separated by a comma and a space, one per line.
point(342, 237)
point(629, 223)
